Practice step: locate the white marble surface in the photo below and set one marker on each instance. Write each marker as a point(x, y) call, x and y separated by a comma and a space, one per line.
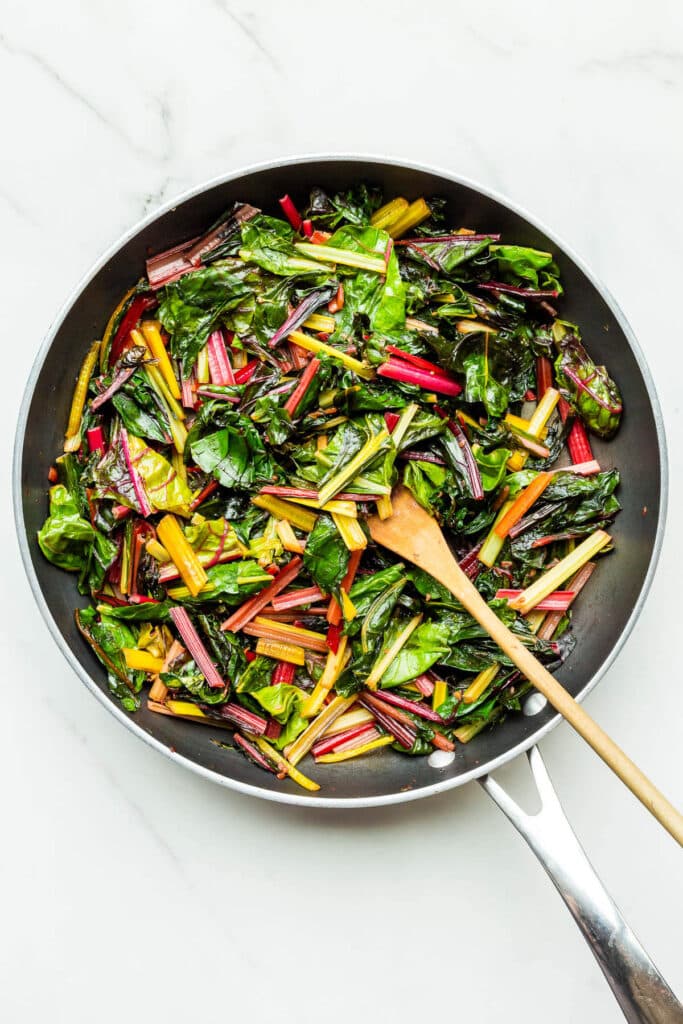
point(133, 890)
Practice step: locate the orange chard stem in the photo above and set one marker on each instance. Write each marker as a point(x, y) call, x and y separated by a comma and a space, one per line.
point(522, 503)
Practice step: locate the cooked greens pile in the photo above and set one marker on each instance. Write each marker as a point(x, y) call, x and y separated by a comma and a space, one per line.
point(261, 391)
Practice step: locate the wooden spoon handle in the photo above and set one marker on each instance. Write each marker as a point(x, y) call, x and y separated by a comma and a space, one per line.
point(451, 575)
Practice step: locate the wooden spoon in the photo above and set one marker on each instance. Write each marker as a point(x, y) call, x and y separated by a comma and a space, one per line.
point(413, 534)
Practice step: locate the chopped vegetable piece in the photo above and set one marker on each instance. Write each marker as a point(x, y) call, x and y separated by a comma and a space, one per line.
point(296, 397)
point(285, 766)
point(281, 650)
point(410, 218)
point(318, 347)
point(334, 613)
point(389, 213)
point(370, 449)
point(181, 554)
point(553, 578)
point(306, 638)
point(559, 600)
point(387, 656)
point(294, 514)
point(251, 608)
point(305, 741)
point(522, 503)
point(351, 532)
point(72, 440)
point(358, 716)
point(397, 369)
point(291, 213)
point(578, 444)
point(142, 660)
point(290, 541)
point(333, 669)
point(297, 598)
point(491, 548)
point(150, 334)
point(197, 649)
point(330, 254)
point(551, 621)
point(346, 755)
point(320, 322)
point(480, 683)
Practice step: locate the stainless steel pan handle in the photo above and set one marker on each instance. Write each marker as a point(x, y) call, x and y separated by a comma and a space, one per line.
point(640, 990)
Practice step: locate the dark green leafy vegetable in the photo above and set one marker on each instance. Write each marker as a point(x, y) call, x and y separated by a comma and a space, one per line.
point(587, 387)
point(326, 557)
point(195, 304)
point(72, 543)
point(235, 455)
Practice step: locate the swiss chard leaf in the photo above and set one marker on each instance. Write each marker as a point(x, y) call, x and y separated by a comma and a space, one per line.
point(425, 481)
point(107, 637)
point(355, 206)
point(269, 243)
point(520, 264)
point(188, 677)
point(589, 388)
point(283, 703)
point(235, 455)
point(379, 297)
point(72, 543)
point(326, 556)
point(164, 487)
point(191, 307)
point(491, 466)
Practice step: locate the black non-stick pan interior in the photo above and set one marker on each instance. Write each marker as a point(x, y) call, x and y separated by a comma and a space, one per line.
point(606, 607)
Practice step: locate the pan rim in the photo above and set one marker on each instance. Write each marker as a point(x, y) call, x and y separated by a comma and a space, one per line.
point(321, 801)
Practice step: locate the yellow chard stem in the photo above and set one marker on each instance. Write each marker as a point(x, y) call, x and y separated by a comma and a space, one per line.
point(282, 763)
point(389, 213)
point(157, 550)
point(555, 577)
point(346, 257)
point(480, 683)
point(296, 750)
point(351, 532)
point(142, 661)
point(385, 509)
point(174, 413)
point(385, 659)
point(439, 695)
point(543, 412)
point(290, 541)
point(72, 440)
point(281, 651)
point(281, 509)
point(315, 346)
point(410, 218)
point(151, 336)
point(359, 716)
point(367, 452)
point(320, 322)
point(333, 669)
point(346, 755)
point(182, 554)
point(342, 506)
point(467, 732)
point(203, 374)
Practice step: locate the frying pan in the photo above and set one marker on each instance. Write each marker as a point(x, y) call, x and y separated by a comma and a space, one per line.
point(605, 614)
